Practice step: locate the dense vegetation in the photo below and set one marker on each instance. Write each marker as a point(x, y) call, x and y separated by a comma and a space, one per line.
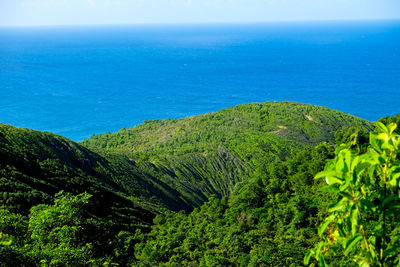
point(364, 222)
point(251, 131)
point(267, 221)
point(209, 154)
point(233, 187)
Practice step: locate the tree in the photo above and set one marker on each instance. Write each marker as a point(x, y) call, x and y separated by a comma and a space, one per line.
point(364, 222)
point(57, 231)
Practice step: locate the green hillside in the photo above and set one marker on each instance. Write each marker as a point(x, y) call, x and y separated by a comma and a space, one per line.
point(35, 166)
point(245, 130)
point(208, 154)
point(249, 156)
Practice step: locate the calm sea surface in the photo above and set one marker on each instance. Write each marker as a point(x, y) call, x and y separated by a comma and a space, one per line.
point(77, 81)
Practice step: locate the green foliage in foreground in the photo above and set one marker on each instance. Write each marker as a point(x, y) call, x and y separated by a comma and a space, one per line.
point(364, 223)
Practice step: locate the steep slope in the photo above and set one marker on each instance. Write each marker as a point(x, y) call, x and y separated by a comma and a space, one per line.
point(264, 222)
point(34, 166)
point(210, 153)
point(163, 165)
point(145, 174)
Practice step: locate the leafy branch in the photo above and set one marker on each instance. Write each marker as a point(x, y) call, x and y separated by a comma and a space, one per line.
point(363, 222)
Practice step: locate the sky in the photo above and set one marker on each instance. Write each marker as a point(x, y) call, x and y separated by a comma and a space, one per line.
point(89, 12)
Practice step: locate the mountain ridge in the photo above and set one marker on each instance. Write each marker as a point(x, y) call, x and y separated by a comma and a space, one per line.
point(231, 159)
point(189, 160)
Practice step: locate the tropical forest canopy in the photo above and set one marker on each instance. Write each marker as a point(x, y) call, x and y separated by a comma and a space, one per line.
point(234, 187)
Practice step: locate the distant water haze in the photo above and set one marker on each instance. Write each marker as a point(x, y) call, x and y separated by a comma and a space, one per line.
point(77, 81)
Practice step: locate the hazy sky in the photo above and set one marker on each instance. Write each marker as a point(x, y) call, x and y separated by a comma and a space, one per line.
point(67, 12)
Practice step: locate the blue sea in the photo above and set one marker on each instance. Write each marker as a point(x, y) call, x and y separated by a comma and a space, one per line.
point(76, 81)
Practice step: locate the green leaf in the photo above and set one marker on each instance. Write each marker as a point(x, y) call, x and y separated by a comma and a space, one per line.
point(307, 257)
point(371, 173)
point(354, 220)
point(389, 199)
point(346, 195)
point(324, 174)
point(347, 157)
point(322, 261)
point(373, 154)
point(331, 180)
point(340, 148)
point(382, 127)
point(391, 127)
point(361, 167)
point(345, 185)
point(325, 224)
point(338, 206)
point(395, 175)
point(339, 166)
point(351, 243)
point(392, 182)
point(354, 163)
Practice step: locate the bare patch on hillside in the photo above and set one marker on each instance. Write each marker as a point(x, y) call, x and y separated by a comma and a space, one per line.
point(312, 119)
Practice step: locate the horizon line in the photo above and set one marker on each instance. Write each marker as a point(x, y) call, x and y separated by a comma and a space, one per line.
point(201, 23)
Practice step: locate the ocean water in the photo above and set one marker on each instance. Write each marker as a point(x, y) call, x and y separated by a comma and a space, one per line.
point(77, 81)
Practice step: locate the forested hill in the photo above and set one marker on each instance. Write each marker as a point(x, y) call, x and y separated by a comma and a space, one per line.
point(245, 130)
point(208, 154)
point(34, 166)
point(163, 164)
point(158, 167)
